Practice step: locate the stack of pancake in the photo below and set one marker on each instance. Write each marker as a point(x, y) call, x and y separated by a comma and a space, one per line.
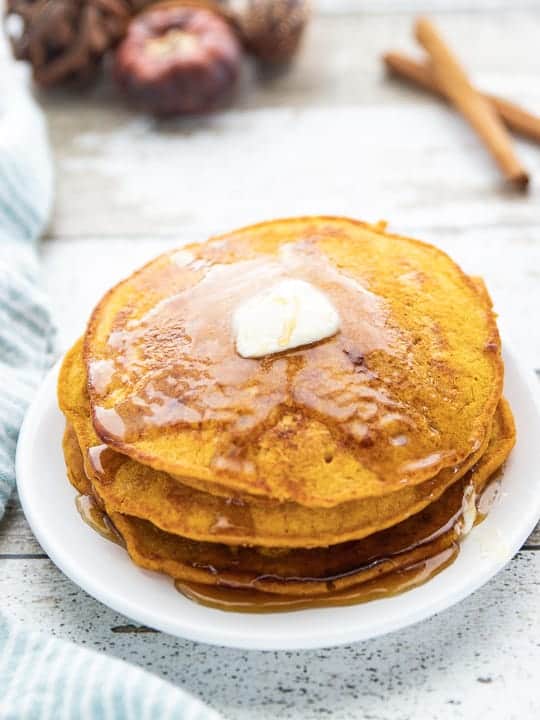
point(324, 474)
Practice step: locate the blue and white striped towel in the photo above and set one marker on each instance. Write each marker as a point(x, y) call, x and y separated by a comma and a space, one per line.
point(46, 678)
point(42, 677)
point(26, 332)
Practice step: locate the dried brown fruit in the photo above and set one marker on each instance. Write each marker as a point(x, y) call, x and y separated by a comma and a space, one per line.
point(271, 29)
point(65, 40)
point(178, 59)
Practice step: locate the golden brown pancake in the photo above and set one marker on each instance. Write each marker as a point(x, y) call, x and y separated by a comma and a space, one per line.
point(73, 457)
point(128, 487)
point(407, 388)
point(143, 492)
point(302, 571)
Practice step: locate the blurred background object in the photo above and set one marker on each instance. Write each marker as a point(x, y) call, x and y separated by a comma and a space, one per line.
point(66, 41)
point(178, 59)
point(271, 29)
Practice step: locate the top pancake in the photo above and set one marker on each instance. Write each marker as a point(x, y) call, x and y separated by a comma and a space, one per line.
point(408, 386)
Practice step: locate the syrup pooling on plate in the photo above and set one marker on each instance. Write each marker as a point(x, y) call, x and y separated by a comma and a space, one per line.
point(255, 601)
point(180, 359)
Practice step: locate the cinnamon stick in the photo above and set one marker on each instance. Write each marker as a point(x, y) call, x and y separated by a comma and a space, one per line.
point(515, 117)
point(480, 114)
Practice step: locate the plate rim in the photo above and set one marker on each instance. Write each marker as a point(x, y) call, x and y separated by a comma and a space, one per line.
point(218, 634)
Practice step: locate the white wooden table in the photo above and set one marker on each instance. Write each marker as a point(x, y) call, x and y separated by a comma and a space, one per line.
point(333, 136)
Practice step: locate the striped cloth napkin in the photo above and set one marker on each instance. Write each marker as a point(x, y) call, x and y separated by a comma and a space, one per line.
point(42, 677)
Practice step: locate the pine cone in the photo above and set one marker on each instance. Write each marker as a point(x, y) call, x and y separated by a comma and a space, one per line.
point(271, 29)
point(65, 40)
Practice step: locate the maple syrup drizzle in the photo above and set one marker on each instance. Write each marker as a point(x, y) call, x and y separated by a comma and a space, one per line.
point(246, 598)
point(96, 518)
point(181, 363)
point(104, 462)
point(205, 380)
point(250, 600)
point(255, 601)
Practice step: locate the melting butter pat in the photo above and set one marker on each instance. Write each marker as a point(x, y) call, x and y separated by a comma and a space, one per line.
point(287, 315)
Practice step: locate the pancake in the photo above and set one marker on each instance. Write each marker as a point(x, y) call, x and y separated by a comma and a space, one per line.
point(143, 492)
point(74, 462)
point(128, 487)
point(407, 388)
point(318, 571)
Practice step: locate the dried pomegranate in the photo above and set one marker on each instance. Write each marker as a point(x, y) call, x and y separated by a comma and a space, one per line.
point(178, 59)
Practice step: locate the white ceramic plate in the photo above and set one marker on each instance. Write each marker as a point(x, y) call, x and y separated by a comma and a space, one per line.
point(105, 571)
